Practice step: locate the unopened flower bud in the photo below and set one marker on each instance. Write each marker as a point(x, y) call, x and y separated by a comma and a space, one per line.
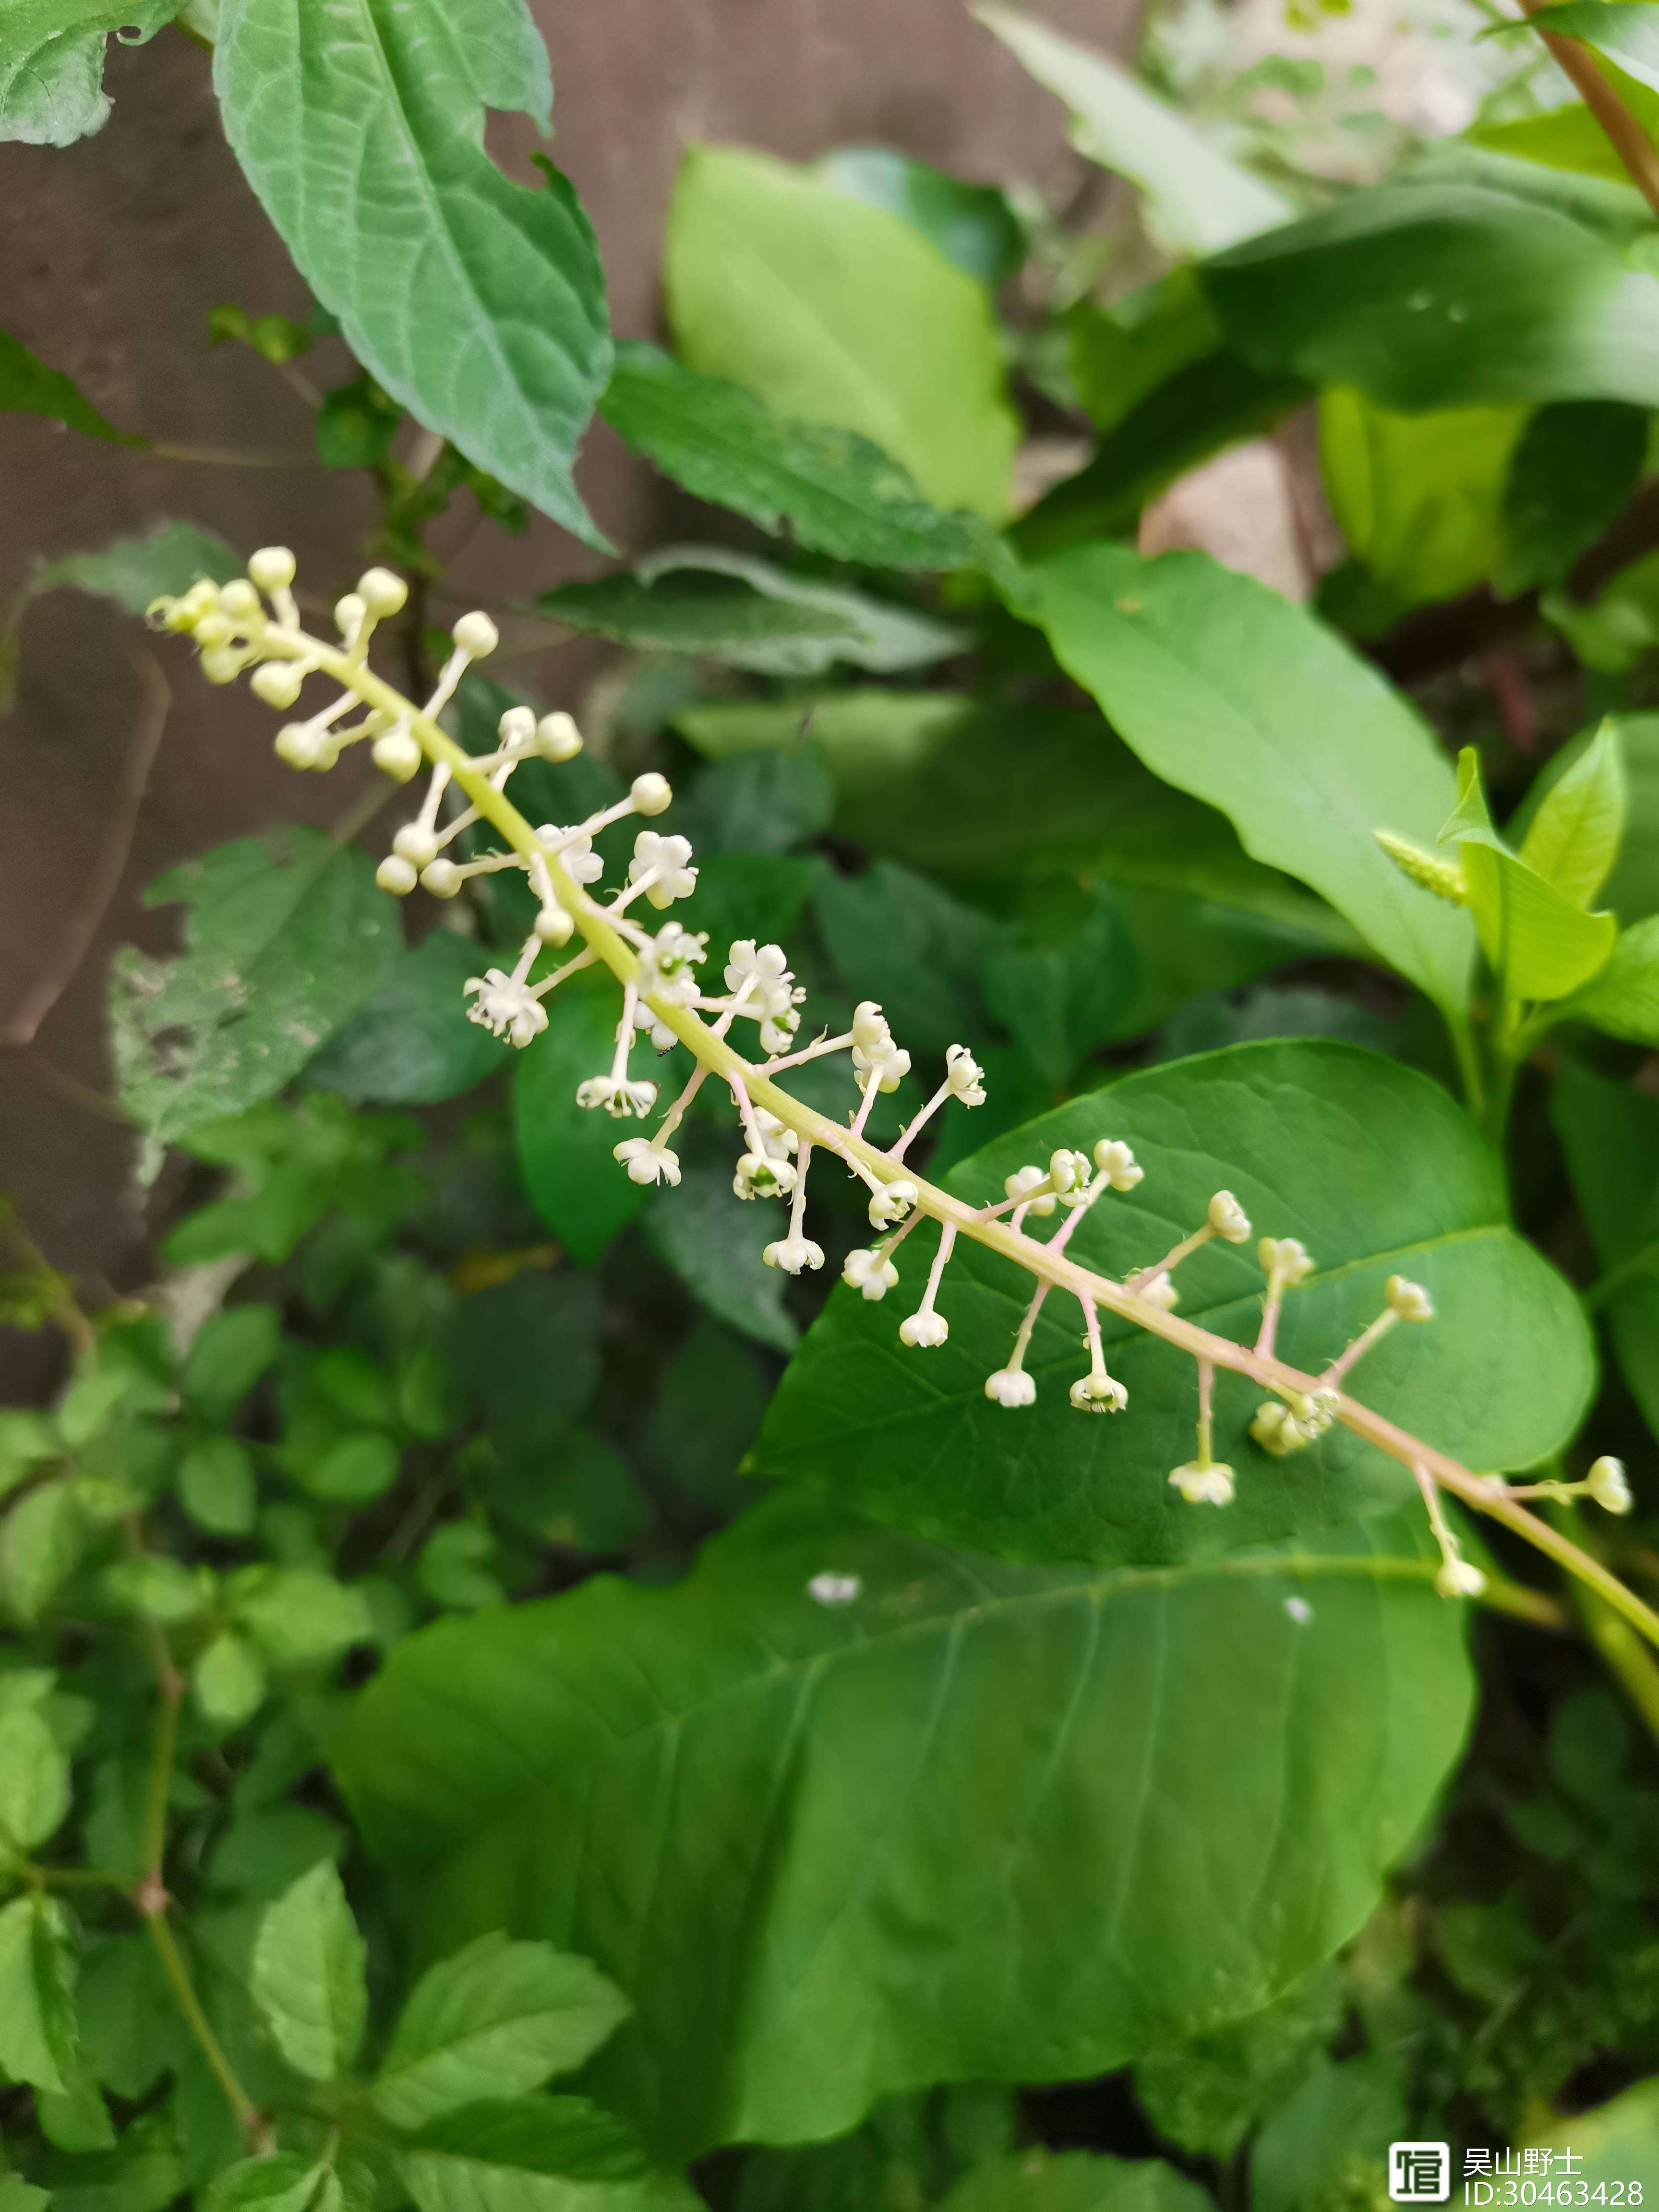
point(554, 926)
point(1204, 1486)
point(1228, 1217)
point(416, 844)
point(477, 635)
point(1460, 1578)
point(395, 875)
point(272, 568)
point(1285, 1257)
point(214, 628)
point(382, 593)
point(1161, 1292)
point(516, 727)
point(277, 682)
point(1023, 1182)
point(650, 793)
point(441, 877)
point(864, 1272)
point(1011, 1387)
point(1117, 1163)
point(557, 737)
point(924, 1332)
point(240, 602)
point(350, 614)
point(1609, 1486)
point(397, 754)
point(1070, 1173)
point(299, 745)
point(1410, 1301)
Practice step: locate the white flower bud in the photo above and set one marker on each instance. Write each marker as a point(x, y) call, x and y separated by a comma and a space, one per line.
point(1024, 1181)
point(221, 663)
point(1609, 1486)
point(382, 593)
point(214, 628)
point(395, 875)
point(397, 754)
point(1161, 1292)
point(1285, 1257)
point(350, 614)
point(964, 1078)
point(925, 1332)
point(651, 793)
point(1228, 1217)
point(554, 926)
point(1071, 1175)
point(1204, 1486)
point(416, 844)
point(477, 635)
point(299, 745)
point(441, 877)
point(272, 568)
point(892, 1202)
point(240, 602)
point(557, 737)
point(834, 1590)
point(1409, 1300)
point(278, 682)
point(517, 728)
point(1011, 1387)
point(1274, 1429)
point(1117, 1163)
point(864, 1272)
point(1460, 1578)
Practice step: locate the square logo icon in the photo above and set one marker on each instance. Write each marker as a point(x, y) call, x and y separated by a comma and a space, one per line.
point(1419, 2173)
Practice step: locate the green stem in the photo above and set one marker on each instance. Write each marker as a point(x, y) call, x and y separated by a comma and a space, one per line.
point(1055, 1269)
point(248, 2115)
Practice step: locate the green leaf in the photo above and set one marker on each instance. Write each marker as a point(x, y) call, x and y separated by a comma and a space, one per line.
point(1369, 1162)
point(1206, 2095)
point(1623, 997)
point(837, 312)
point(1578, 464)
point(943, 1760)
point(1538, 944)
point(1616, 2145)
point(713, 1240)
point(1568, 137)
point(1334, 2133)
point(308, 1975)
point(1196, 199)
point(135, 572)
point(476, 303)
point(217, 1486)
point(912, 947)
point(35, 1779)
point(496, 2020)
point(973, 226)
point(1228, 691)
point(1573, 838)
point(1629, 36)
point(287, 938)
point(565, 1150)
point(41, 1541)
point(526, 1351)
point(159, 1589)
point(1632, 889)
point(27, 386)
point(412, 1044)
point(143, 2174)
point(36, 2037)
point(1038, 2180)
point(298, 1616)
point(575, 1491)
point(723, 606)
point(281, 2181)
point(233, 1351)
point(1417, 496)
point(1118, 355)
point(539, 2154)
point(123, 2005)
point(836, 492)
point(52, 64)
point(228, 1680)
point(455, 1567)
point(1610, 1135)
point(1474, 282)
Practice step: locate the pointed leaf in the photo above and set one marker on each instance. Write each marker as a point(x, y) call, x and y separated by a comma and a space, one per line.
point(1074, 2181)
point(1539, 944)
point(1033, 1775)
point(1573, 839)
point(36, 2027)
point(35, 1779)
point(27, 386)
point(282, 2181)
point(308, 1975)
point(1623, 998)
point(539, 2154)
point(1576, 464)
point(1609, 1133)
point(1626, 30)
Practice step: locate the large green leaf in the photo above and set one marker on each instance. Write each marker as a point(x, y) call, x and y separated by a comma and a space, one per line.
point(1539, 943)
point(836, 491)
point(838, 313)
point(287, 938)
point(1368, 1162)
point(27, 386)
point(1576, 464)
point(412, 1042)
point(1610, 1135)
point(1472, 282)
point(565, 1150)
point(1197, 200)
point(52, 64)
point(308, 1975)
point(1631, 890)
point(1227, 691)
point(938, 1819)
point(480, 305)
point(1574, 836)
point(1074, 2181)
point(1623, 996)
point(539, 2154)
point(974, 226)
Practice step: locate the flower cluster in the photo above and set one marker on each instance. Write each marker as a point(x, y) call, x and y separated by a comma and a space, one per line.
point(252, 625)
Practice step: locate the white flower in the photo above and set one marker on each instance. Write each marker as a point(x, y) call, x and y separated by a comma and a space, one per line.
point(666, 858)
point(865, 1271)
point(1409, 1300)
point(505, 1006)
point(1228, 1217)
point(925, 1330)
point(1071, 1175)
point(1287, 1258)
point(1460, 1578)
point(1010, 1386)
point(760, 978)
point(1099, 1393)
point(793, 1253)
point(874, 1052)
point(1607, 1484)
point(964, 1078)
point(892, 1202)
point(647, 1024)
point(668, 964)
point(759, 1175)
point(1117, 1163)
point(1022, 1183)
point(1161, 1292)
point(834, 1590)
point(778, 1142)
point(1204, 1486)
point(647, 1161)
point(577, 859)
point(620, 1098)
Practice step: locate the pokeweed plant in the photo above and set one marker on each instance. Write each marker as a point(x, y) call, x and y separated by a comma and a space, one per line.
point(345, 1806)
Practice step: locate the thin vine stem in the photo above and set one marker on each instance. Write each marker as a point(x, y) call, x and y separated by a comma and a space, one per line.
point(1484, 1493)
